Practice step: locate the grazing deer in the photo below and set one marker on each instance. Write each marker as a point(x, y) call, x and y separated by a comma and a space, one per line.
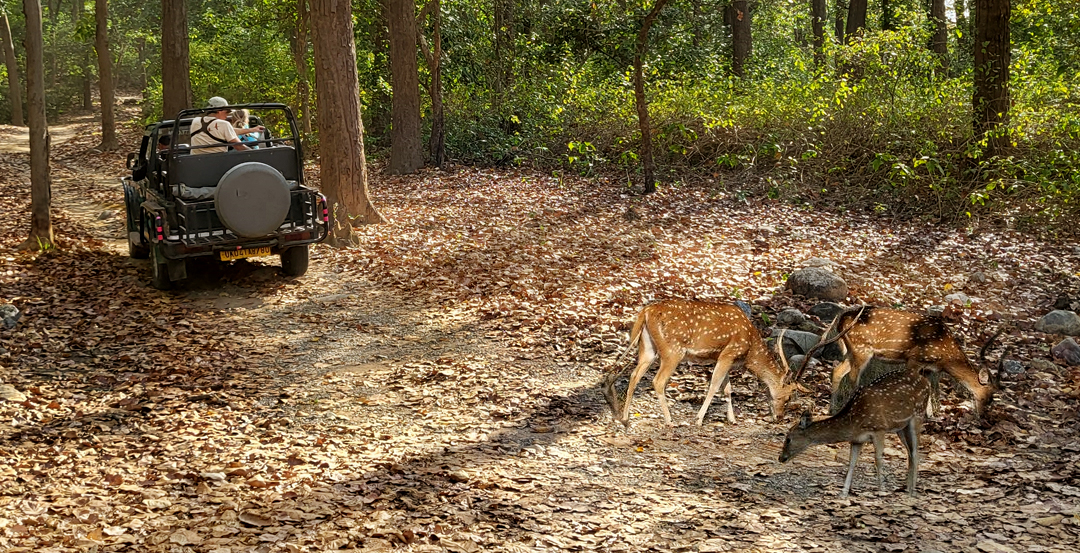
point(698, 331)
point(922, 341)
point(892, 403)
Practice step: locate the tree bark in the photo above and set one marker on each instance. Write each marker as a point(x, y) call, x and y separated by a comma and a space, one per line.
point(939, 39)
point(437, 140)
point(41, 232)
point(888, 18)
point(105, 79)
point(175, 63)
point(818, 12)
point(12, 64)
point(647, 162)
point(303, 80)
point(990, 101)
point(337, 100)
point(856, 20)
point(741, 39)
point(504, 50)
point(406, 145)
point(840, 16)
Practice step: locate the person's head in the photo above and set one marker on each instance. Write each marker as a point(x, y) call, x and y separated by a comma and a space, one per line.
point(221, 104)
point(240, 118)
point(163, 142)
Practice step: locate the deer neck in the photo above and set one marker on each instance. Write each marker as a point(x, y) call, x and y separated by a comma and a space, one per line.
point(833, 430)
point(760, 362)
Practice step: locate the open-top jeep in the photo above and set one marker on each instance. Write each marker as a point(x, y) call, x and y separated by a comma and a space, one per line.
point(231, 204)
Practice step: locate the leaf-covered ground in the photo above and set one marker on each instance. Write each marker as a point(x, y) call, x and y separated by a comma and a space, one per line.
point(433, 389)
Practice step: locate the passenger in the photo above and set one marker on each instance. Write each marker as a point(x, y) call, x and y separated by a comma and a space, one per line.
point(213, 128)
point(240, 121)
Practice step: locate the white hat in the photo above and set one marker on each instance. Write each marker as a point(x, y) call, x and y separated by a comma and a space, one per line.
point(217, 102)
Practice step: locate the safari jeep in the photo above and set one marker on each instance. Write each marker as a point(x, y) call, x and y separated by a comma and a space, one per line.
point(226, 205)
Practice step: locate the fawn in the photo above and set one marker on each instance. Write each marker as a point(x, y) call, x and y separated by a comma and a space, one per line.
point(699, 331)
point(892, 403)
point(922, 341)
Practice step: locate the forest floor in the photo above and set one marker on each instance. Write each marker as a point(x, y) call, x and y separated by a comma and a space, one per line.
point(434, 388)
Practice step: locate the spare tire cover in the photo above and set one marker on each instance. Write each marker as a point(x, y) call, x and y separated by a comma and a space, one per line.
point(252, 199)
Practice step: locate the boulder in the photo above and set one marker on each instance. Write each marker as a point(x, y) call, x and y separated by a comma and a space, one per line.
point(813, 282)
point(1059, 322)
point(791, 318)
point(958, 298)
point(826, 311)
point(1012, 366)
point(745, 309)
point(1067, 350)
point(796, 342)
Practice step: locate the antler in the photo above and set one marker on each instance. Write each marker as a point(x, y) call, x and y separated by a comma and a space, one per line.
point(824, 341)
point(780, 351)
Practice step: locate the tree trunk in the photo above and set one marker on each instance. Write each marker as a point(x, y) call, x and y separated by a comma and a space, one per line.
point(87, 81)
point(41, 233)
point(840, 15)
point(105, 79)
point(504, 50)
point(648, 165)
point(337, 102)
point(939, 40)
point(888, 18)
point(991, 99)
point(406, 145)
point(12, 63)
point(818, 12)
point(856, 20)
point(741, 40)
point(437, 141)
point(299, 52)
point(175, 65)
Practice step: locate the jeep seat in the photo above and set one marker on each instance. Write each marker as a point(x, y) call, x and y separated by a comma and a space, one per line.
point(197, 171)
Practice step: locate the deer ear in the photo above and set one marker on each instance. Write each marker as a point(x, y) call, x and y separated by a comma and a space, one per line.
point(805, 420)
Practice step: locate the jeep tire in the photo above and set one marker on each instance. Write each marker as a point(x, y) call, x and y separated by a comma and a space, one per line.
point(252, 199)
point(294, 260)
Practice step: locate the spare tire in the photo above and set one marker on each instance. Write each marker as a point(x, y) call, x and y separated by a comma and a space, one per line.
point(252, 199)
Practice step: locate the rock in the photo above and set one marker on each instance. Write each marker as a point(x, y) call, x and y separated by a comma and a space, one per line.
point(107, 214)
point(979, 276)
point(796, 360)
point(1012, 366)
point(1059, 322)
point(814, 282)
point(790, 318)
point(9, 315)
point(958, 298)
point(1043, 365)
point(935, 310)
point(1067, 350)
point(745, 309)
point(1062, 302)
point(797, 342)
point(821, 263)
point(8, 392)
point(826, 311)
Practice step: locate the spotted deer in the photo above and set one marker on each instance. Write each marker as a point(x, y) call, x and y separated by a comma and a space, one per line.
point(891, 403)
point(922, 341)
point(698, 331)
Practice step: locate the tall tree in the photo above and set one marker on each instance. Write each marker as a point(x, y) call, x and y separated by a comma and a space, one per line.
point(990, 101)
point(840, 16)
point(299, 51)
point(939, 37)
point(433, 55)
point(741, 40)
point(342, 163)
point(12, 64)
point(888, 16)
point(641, 46)
point(856, 19)
point(818, 12)
point(406, 146)
point(41, 232)
point(106, 85)
point(504, 50)
point(175, 63)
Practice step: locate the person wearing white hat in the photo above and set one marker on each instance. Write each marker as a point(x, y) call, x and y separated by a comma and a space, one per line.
point(213, 128)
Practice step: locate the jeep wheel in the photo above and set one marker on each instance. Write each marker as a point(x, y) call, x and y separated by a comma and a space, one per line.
point(136, 249)
point(294, 260)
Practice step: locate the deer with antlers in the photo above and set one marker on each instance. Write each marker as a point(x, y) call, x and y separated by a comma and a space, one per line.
point(698, 331)
point(922, 341)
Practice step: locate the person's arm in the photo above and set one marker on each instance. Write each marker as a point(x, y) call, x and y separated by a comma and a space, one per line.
point(260, 128)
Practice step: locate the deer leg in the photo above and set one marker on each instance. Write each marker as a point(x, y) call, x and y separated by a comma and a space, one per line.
point(660, 382)
point(855, 448)
point(909, 435)
point(646, 356)
point(719, 376)
point(730, 405)
point(933, 406)
point(879, 447)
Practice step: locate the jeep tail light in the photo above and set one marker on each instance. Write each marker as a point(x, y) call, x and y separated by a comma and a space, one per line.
point(160, 230)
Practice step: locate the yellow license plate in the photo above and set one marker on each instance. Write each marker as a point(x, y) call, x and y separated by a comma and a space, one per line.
point(230, 255)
